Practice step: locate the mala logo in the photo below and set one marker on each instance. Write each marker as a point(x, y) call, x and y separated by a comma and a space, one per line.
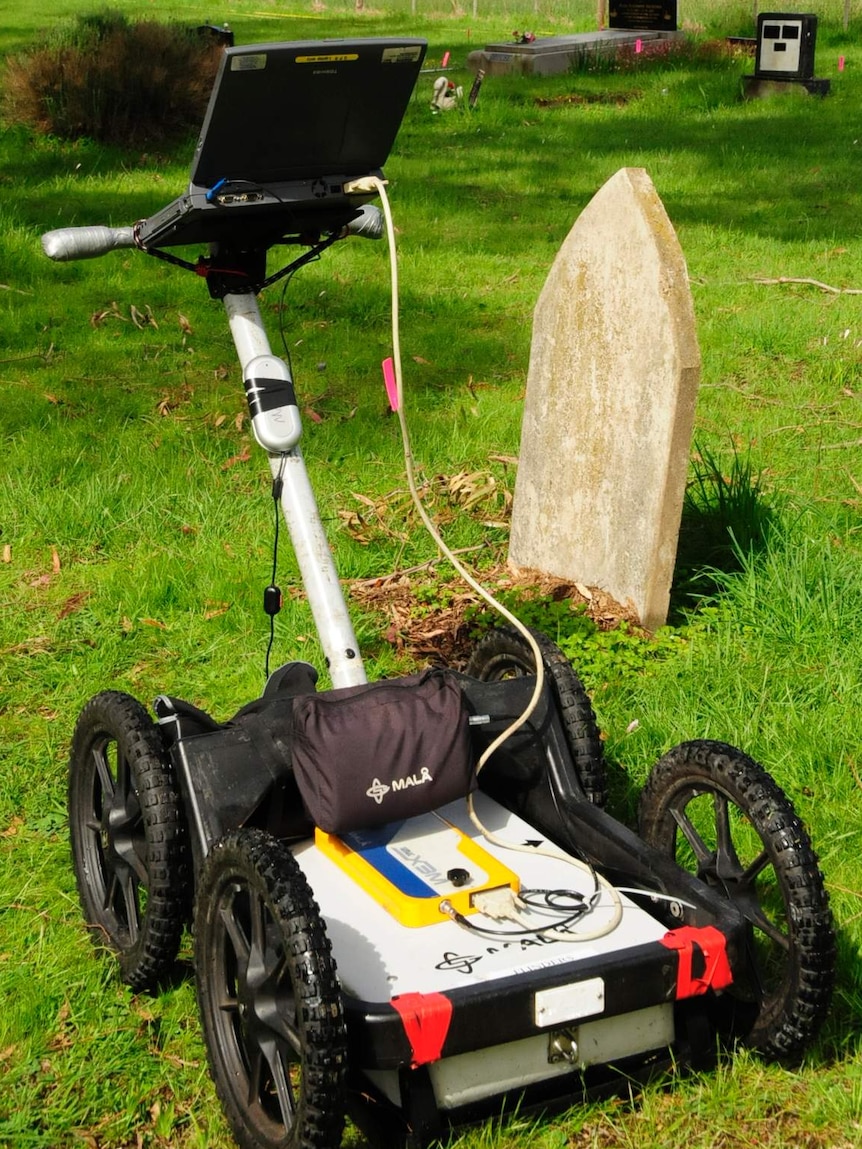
point(378, 790)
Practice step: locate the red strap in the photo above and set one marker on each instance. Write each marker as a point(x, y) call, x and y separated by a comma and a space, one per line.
point(426, 1018)
point(712, 944)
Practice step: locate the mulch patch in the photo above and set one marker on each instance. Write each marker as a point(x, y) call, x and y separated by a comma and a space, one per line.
point(442, 632)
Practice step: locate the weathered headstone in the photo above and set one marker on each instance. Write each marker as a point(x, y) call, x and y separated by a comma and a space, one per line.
point(609, 410)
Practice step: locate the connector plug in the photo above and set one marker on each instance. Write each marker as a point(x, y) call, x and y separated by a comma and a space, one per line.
point(501, 903)
point(365, 185)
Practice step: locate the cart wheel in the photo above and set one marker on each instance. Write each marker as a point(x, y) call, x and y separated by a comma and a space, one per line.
point(504, 653)
point(269, 997)
point(724, 819)
point(128, 837)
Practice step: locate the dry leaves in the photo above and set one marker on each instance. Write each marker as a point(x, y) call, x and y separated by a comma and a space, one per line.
point(221, 419)
point(73, 604)
point(242, 457)
point(112, 312)
point(140, 319)
point(170, 401)
point(392, 516)
point(14, 826)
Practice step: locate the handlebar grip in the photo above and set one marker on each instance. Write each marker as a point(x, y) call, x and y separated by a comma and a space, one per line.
point(368, 224)
point(69, 243)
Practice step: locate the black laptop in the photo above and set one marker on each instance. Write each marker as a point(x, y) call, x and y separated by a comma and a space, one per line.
point(288, 125)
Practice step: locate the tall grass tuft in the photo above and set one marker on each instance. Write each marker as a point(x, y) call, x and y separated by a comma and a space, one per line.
point(726, 518)
point(113, 80)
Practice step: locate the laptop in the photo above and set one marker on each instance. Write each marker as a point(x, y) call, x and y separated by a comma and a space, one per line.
point(287, 126)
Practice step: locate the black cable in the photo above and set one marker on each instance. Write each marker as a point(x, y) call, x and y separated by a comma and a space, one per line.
point(272, 594)
point(282, 331)
point(569, 920)
point(309, 257)
point(553, 900)
point(487, 932)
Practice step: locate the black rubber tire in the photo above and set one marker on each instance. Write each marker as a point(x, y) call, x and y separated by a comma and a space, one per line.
point(723, 818)
point(505, 653)
point(269, 997)
point(128, 837)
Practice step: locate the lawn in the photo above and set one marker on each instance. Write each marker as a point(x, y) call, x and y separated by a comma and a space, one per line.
point(136, 525)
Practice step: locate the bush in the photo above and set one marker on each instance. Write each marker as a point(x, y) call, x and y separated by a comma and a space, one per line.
point(114, 81)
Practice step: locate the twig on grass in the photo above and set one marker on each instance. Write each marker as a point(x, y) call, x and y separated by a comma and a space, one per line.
point(835, 446)
point(811, 283)
point(29, 910)
point(46, 355)
point(845, 890)
point(747, 394)
point(413, 570)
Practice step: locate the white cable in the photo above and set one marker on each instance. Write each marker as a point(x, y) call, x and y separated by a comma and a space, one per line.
point(426, 518)
point(379, 187)
point(537, 851)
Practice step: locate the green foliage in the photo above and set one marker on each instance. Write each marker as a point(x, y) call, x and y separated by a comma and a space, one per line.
point(113, 80)
point(607, 656)
point(665, 56)
point(602, 656)
point(727, 517)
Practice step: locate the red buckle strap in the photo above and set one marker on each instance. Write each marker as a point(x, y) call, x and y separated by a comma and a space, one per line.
point(426, 1018)
point(712, 945)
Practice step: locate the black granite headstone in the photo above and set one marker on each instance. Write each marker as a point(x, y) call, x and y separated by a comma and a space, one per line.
point(643, 15)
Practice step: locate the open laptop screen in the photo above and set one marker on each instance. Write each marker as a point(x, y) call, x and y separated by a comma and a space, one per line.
point(305, 109)
point(287, 126)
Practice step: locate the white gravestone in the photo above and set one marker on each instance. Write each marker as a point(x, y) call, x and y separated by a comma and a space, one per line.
point(609, 410)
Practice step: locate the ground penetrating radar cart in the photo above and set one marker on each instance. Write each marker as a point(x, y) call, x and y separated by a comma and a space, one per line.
point(408, 902)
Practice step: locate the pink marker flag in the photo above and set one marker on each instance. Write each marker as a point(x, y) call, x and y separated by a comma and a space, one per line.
point(639, 45)
point(445, 61)
point(840, 63)
point(391, 382)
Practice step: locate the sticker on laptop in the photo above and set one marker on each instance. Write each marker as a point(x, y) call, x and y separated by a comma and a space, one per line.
point(329, 58)
point(251, 62)
point(406, 54)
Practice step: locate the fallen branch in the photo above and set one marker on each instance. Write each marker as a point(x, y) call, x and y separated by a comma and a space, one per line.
point(835, 446)
point(811, 283)
point(750, 395)
point(45, 355)
point(412, 570)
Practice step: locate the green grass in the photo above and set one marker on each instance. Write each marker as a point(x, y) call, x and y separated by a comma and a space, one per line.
point(138, 521)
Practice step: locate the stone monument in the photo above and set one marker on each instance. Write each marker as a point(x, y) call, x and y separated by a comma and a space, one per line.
point(609, 410)
point(644, 15)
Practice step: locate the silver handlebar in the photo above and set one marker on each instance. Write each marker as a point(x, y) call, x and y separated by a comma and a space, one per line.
point(68, 243)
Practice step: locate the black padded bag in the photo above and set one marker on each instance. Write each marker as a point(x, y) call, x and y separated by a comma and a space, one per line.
point(381, 752)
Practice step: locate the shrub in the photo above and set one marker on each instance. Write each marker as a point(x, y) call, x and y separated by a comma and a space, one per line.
point(113, 80)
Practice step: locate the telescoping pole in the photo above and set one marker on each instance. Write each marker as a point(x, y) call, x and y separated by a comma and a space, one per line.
point(276, 425)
